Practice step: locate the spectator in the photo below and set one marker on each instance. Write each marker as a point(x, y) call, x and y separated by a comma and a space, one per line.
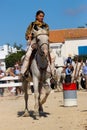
point(17, 73)
point(84, 72)
point(16, 64)
point(10, 72)
point(68, 73)
point(2, 74)
point(68, 60)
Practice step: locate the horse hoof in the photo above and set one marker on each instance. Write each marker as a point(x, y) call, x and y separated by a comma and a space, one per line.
point(40, 109)
point(26, 114)
point(36, 114)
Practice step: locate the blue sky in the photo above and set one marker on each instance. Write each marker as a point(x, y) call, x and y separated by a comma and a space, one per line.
point(16, 15)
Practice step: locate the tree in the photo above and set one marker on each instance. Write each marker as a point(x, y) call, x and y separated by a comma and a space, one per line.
point(13, 58)
point(18, 47)
point(81, 27)
point(81, 57)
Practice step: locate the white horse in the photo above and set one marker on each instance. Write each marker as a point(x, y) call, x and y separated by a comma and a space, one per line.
point(76, 75)
point(41, 72)
point(60, 77)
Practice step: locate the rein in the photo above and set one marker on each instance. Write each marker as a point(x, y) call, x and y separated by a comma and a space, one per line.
point(44, 44)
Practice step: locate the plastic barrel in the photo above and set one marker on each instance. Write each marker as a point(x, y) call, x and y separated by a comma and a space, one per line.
point(70, 94)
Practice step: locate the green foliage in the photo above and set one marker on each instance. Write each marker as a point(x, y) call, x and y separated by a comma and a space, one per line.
point(81, 57)
point(13, 58)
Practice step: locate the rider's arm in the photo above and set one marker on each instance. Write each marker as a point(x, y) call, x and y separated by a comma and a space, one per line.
point(28, 34)
point(47, 27)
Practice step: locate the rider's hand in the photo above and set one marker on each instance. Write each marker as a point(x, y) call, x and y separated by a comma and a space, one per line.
point(29, 36)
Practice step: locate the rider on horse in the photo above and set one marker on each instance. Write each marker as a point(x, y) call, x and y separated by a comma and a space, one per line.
point(31, 39)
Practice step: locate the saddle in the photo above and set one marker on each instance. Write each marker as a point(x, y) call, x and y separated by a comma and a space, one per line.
point(41, 60)
point(31, 58)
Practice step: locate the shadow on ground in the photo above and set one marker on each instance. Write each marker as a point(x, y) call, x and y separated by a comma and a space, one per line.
point(31, 114)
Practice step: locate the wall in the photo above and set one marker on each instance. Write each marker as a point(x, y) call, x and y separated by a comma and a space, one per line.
point(62, 50)
point(71, 46)
point(57, 50)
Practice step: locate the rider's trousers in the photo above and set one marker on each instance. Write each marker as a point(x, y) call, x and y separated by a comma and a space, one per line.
point(26, 60)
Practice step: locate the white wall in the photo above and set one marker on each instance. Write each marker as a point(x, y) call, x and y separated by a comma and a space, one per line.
point(71, 46)
point(57, 50)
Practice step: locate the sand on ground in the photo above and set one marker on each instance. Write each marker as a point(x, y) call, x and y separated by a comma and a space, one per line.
point(55, 117)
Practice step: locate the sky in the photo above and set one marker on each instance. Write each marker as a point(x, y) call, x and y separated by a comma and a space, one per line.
point(16, 15)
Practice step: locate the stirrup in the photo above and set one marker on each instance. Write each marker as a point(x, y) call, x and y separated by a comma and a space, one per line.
point(26, 74)
point(22, 77)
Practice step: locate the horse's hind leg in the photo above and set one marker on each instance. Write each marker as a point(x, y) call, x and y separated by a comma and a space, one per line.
point(36, 107)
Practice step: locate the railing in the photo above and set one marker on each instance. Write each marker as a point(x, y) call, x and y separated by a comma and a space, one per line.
point(10, 81)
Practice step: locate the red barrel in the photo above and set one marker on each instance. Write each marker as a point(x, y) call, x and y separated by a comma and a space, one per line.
point(70, 94)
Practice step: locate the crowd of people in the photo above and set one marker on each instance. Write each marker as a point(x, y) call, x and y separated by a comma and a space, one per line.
point(11, 71)
point(76, 71)
point(73, 71)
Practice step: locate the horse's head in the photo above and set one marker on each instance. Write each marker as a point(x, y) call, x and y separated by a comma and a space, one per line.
point(42, 40)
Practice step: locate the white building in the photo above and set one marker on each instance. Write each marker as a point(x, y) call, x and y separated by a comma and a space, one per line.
point(4, 51)
point(68, 41)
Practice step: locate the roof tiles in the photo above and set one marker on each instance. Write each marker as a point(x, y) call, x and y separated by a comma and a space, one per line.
point(61, 35)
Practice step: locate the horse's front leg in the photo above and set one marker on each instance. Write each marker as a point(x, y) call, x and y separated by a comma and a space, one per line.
point(39, 108)
point(39, 99)
point(47, 92)
point(25, 87)
point(36, 96)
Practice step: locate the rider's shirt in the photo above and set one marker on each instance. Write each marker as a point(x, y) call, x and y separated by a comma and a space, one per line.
point(35, 25)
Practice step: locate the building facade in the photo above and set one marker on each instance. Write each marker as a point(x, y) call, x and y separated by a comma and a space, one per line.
point(68, 42)
point(5, 50)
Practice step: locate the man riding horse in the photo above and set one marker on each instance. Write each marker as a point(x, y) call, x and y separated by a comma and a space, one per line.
point(31, 38)
point(41, 66)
